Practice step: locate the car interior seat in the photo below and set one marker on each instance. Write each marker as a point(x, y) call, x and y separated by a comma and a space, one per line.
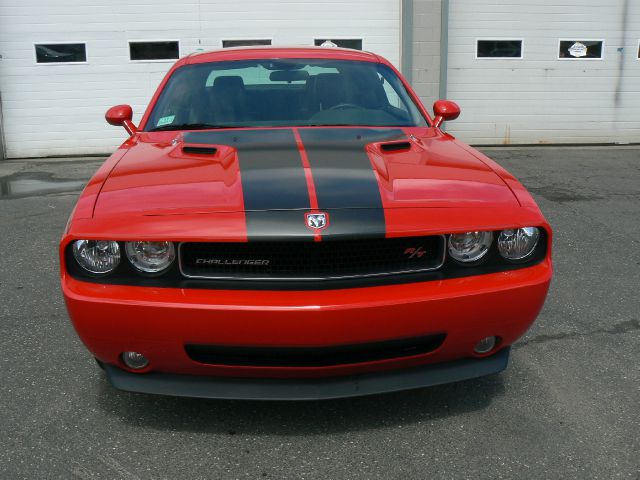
point(330, 90)
point(228, 99)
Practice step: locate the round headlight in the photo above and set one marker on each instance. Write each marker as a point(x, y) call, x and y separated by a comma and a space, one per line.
point(518, 243)
point(97, 256)
point(470, 246)
point(150, 257)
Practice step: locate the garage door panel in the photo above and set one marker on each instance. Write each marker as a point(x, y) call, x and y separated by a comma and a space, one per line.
point(46, 105)
point(540, 99)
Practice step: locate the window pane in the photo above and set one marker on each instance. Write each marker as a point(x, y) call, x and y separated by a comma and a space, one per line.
point(244, 43)
point(355, 44)
point(61, 52)
point(580, 49)
point(154, 50)
point(499, 49)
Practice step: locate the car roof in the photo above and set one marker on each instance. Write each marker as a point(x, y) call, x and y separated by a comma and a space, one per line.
point(268, 52)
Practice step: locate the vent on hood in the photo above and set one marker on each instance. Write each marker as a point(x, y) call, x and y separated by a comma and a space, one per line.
point(395, 146)
point(199, 150)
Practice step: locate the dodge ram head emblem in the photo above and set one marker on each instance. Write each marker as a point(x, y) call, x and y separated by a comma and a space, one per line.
point(317, 221)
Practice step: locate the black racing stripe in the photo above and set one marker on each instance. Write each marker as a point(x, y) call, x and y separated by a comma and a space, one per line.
point(348, 223)
point(345, 180)
point(278, 225)
point(273, 180)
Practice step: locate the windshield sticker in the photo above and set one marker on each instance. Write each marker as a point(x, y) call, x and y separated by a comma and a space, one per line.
point(165, 120)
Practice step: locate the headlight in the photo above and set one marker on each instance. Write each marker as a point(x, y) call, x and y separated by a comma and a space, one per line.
point(150, 257)
point(470, 246)
point(97, 256)
point(519, 243)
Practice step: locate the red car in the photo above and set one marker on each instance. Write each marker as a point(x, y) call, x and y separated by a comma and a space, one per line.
point(290, 223)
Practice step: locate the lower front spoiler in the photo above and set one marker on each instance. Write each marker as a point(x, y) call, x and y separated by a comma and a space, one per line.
point(307, 389)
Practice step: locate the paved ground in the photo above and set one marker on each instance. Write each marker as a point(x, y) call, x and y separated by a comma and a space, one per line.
point(567, 407)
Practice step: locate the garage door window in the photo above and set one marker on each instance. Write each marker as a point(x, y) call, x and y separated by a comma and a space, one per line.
point(581, 49)
point(244, 43)
point(499, 48)
point(61, 52)
point(156, 50)
point(354, 43)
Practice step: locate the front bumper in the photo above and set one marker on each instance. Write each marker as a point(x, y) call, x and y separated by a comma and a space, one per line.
point(307, 389)
point(159, 322)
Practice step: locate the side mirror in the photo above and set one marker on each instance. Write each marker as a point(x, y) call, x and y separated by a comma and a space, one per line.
point(445, 110)
point(120, 116)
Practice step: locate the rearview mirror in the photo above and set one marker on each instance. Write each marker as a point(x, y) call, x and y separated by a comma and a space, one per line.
point(120, 116)
point(445, 110)
point(289, 76)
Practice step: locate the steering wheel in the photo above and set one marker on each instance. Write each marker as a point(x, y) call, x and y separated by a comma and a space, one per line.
point(341, 106)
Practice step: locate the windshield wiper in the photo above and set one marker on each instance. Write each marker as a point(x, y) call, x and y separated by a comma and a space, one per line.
point(191, 126)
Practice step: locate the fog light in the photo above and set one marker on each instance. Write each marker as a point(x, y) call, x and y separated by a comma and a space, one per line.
point(134, 360)
point(486, 345)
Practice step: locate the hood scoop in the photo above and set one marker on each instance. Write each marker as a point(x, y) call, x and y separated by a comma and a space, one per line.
point(382, 152)
point(222, 154)
point(391, 147)
point(199, 149)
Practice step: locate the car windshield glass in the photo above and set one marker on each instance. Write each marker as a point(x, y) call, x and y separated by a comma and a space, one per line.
point(291, 92)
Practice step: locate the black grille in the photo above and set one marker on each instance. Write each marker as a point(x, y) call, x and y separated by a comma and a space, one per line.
point(311, 260)
point(313, 356)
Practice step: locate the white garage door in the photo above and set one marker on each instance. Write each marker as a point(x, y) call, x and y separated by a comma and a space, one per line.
point(57, 107)
point(567, 87)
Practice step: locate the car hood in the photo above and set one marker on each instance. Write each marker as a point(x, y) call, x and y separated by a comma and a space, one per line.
point(169, 173)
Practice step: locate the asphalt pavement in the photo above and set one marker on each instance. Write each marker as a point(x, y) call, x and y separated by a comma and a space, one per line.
point(568, 406)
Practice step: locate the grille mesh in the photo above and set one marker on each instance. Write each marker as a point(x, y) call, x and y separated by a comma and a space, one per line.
point(311, 260)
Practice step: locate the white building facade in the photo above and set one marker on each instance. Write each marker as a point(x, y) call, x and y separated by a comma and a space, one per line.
point(576, 80)
point(523, 71)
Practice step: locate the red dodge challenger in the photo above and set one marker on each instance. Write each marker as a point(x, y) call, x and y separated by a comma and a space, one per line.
point(291, 223)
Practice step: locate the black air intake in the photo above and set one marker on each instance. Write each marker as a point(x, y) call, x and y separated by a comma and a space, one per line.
point(395, 147)
point(314, 356)
point(199, 150)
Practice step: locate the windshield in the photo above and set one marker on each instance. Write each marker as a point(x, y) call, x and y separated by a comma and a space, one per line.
point(252, 93)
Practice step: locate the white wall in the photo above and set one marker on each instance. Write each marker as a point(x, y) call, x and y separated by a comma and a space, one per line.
point(58, 109)
point(541, 99)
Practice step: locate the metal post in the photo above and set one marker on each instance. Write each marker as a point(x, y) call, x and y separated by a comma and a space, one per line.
point(444, 48)
point(406, 41)
point(3, 151)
